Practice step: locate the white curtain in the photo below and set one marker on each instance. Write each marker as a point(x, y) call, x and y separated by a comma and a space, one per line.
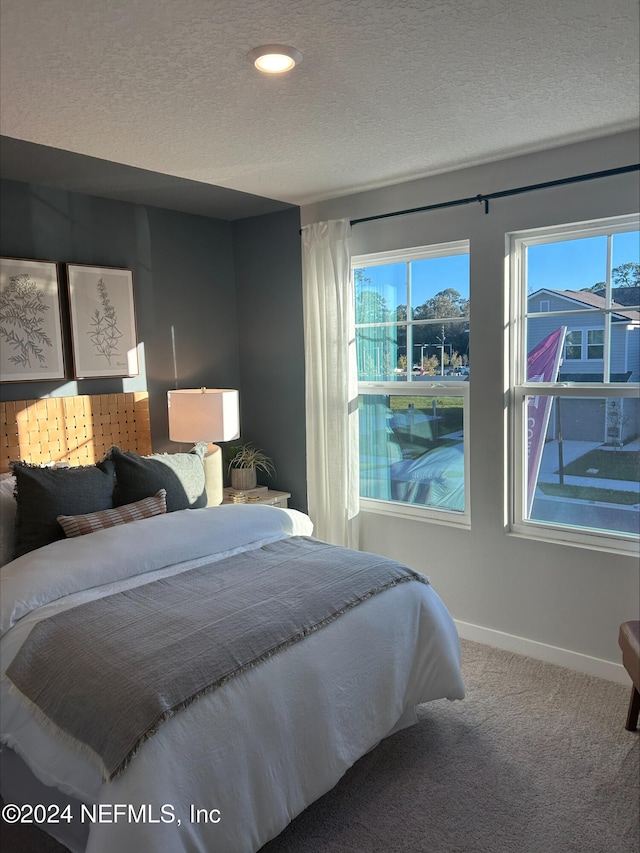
point(331, 382)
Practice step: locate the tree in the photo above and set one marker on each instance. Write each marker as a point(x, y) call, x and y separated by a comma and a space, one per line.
point(430, 366)
point(377, 345)
point(446, 304)
point(626, 275)
point(371, 306)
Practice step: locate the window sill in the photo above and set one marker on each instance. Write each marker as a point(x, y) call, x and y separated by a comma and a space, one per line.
point(562, 536)
point(461, 520)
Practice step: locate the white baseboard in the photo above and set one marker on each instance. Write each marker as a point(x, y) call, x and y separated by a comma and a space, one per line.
point(541, 651)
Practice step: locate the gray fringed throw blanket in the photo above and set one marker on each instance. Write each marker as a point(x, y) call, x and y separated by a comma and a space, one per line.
point(104, 675)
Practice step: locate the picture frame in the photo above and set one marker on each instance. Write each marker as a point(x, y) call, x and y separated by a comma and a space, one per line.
point(103, 323)
point(31, 347)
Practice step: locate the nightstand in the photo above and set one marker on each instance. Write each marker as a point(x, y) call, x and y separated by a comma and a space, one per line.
point(269, 498)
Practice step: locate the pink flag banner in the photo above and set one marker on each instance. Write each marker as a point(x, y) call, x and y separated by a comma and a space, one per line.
point(543, 363)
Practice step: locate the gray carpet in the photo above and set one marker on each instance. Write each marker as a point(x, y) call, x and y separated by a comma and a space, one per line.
point(535, 760)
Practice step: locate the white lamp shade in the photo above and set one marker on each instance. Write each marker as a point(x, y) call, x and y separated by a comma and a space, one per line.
point(203, 414)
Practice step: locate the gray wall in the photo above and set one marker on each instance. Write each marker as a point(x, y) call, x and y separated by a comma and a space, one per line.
point(183, 278)
point(217, 304)
point(270, 331)
point(556, 601)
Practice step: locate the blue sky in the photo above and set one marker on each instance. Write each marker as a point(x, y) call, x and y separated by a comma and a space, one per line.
point(574, 264)
point(567, 265)
point(429, 276)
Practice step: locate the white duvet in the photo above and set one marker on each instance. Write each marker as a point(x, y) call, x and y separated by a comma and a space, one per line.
point(254, 753)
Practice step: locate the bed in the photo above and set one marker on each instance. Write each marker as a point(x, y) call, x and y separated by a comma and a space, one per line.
point(234, 765)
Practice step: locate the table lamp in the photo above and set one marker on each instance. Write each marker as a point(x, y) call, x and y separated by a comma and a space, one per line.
point(210, 415)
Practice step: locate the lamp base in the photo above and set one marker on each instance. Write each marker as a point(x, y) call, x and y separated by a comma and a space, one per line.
point(213, 476)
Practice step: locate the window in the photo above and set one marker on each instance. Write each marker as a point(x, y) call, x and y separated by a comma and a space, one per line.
point(575, 369)
point(595, 343)
point(573, 345)
point(412, 343)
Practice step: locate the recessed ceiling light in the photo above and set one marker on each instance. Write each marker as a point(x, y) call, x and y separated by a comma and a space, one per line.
point(275, 58)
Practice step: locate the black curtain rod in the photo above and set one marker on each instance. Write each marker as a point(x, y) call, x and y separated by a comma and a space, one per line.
point(485, 198)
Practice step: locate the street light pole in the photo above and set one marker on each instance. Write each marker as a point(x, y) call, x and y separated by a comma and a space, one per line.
point(441, 347)
point(422, 349)
point(441, 339)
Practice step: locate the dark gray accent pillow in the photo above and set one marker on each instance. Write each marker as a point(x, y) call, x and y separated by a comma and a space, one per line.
point(42, 494)
point(180, 474)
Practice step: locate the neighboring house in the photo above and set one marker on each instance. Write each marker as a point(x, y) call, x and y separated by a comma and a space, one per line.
point(626, 296)
point(583, 358)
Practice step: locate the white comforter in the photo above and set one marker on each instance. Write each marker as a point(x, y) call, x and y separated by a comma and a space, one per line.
point(257, 751)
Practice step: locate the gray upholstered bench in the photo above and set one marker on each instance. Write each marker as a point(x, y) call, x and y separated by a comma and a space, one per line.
point(629, 642)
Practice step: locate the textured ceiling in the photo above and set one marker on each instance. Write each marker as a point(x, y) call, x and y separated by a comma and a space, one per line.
point(388, 90)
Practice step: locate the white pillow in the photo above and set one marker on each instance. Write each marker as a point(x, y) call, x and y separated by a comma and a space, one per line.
point(7, 517)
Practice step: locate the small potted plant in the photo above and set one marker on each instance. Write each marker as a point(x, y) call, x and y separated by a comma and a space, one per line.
point(243, 467)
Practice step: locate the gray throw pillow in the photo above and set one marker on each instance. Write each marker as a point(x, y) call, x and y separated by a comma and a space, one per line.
point(180, 474)
point(42, 494)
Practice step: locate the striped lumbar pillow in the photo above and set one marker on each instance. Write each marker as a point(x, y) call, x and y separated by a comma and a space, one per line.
point(78, 525)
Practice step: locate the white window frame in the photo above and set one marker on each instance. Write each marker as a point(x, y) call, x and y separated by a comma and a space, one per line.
point(519, 389)
point(440, 387)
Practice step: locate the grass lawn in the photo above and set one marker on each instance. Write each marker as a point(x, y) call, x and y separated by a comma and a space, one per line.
point(607, 465)
point(589, 493)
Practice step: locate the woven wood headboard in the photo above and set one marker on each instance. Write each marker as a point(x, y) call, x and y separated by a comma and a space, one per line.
point(78, 430)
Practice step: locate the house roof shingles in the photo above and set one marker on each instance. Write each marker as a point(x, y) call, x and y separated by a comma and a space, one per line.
point(592, 300)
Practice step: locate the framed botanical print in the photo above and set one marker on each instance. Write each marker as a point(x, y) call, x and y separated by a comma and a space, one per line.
point(30, 326)
point(103, 323)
